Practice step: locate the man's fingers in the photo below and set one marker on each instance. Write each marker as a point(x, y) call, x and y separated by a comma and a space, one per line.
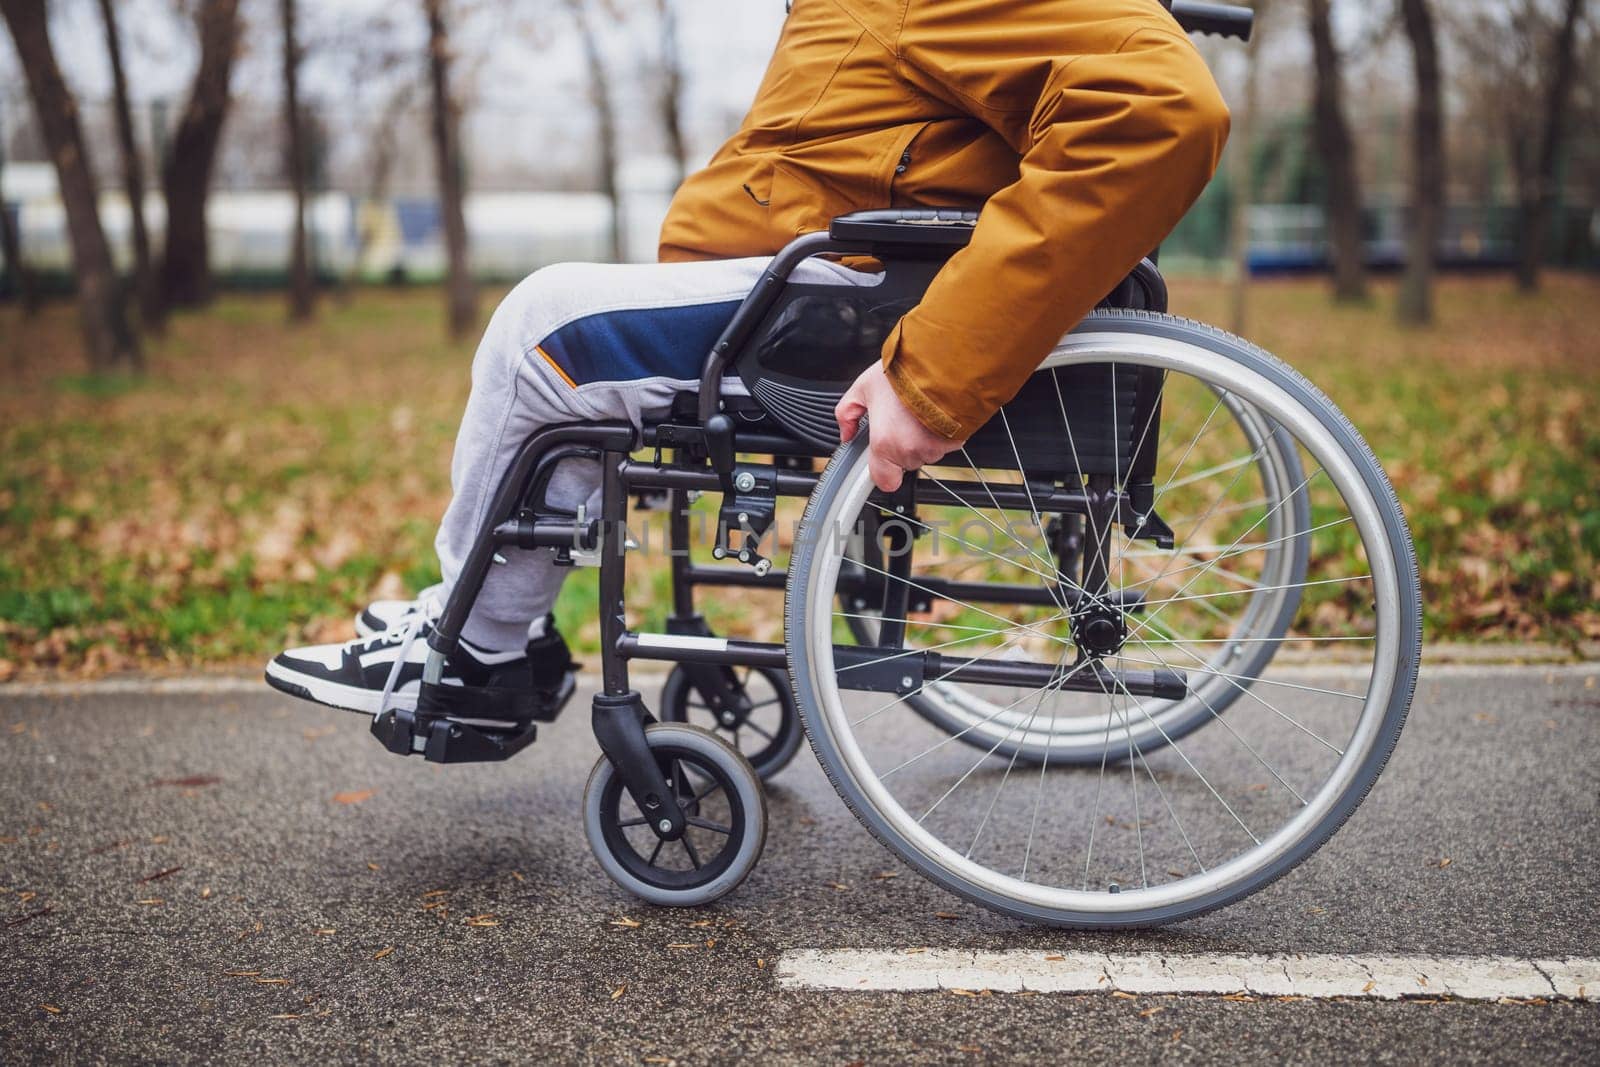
point(886, 474)
point(848, 412)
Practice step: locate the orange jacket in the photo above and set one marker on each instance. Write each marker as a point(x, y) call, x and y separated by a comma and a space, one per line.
point(1086, 128)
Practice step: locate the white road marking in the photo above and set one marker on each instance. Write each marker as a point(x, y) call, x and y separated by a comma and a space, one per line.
point(1317, 976)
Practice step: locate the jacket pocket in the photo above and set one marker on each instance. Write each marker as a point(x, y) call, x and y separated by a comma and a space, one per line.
point(901, 159)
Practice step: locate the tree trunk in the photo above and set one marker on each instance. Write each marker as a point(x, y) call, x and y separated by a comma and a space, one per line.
point(461, 294)
point(302, 286)
point(109, 339)
point(606, 124)
point(1538, 200)
point(1334, 145)
point(1241, 175)
point(186, 172)
point(1427, 168)
point(22, 280)
point(144, 279)
point(672, 90)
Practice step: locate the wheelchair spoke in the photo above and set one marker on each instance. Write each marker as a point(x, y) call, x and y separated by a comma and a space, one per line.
point(1173, 745)
point(1256, 589)
point(920, 649)
point(1009, 643)
point(970, 607)
point(984, 758)
point(1195, 440)
point(956, 737)
point(707, 824)
point(688, 846)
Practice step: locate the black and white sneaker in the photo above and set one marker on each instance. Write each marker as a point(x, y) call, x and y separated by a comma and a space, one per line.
point(382, 615)
point(355, 675)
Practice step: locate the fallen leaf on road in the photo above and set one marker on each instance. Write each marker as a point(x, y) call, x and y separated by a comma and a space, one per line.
point(205, 894)
point(51, 1008)
point(1151, 1011)
point(372, 866)
point(284, 1015)
point(355, 796)
point(193, 781)
point(1121, 995)
point(624, 922)
point(617, 992)
point(487, 919)
point(169, 872)
point(840, 886)
point(946, 915)
point(326, 931)
point(382, 952)
point(272, 981)
point(151, 902)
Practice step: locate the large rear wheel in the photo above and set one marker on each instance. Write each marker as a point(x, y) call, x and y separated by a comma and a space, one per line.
point(1113, 655)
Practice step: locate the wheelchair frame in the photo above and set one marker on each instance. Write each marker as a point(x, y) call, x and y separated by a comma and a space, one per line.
point(704, 458)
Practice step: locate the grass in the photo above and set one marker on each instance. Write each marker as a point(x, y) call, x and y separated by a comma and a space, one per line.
point(262, 481)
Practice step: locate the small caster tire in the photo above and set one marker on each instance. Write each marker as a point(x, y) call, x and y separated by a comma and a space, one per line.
point(768, 738)
point(719, 792)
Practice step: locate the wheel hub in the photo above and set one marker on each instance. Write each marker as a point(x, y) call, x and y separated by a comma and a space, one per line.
point(1099, 631)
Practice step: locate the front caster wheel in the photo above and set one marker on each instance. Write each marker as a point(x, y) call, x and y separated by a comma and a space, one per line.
point(769, 734)
point(720, 794)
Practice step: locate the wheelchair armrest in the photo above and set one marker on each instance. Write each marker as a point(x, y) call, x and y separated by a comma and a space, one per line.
point(948, 228)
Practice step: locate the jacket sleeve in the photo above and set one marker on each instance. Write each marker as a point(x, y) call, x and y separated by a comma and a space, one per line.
point(1119, 126)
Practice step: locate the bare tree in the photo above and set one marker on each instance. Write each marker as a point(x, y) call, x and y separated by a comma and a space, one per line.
point(22, 280)
point(1337, 151)
point(302, 285)
point(102, 310)
point(1538, 182)
point(671, 98)
point(605, 121)
point(144, 277)
point(186, 172)
point(461, 293)
point(1427, 167)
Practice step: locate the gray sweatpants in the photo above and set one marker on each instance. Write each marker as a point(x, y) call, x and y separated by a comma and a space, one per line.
point(579, 342)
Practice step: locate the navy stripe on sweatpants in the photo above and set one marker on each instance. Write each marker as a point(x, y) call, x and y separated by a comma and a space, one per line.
point(634, 343)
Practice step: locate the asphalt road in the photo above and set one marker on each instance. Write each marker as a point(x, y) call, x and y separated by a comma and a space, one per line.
point(372, 908)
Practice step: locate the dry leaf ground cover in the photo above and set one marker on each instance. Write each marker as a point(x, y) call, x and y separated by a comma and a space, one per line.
point(262, 481)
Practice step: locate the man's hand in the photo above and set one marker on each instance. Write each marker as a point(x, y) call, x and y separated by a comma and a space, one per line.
point(899, 441)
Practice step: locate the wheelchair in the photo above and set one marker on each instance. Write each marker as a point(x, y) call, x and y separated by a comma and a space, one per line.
point(1078, 672)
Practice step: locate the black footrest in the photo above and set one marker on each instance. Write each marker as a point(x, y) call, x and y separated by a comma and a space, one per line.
point(475, 703)
point(444, 741)
point(470, 724)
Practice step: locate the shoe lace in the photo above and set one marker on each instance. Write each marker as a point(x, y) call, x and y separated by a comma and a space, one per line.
point(411, 626)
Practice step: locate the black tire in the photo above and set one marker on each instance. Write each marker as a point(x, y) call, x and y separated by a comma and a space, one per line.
point(771, 736)
point(738, 793)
